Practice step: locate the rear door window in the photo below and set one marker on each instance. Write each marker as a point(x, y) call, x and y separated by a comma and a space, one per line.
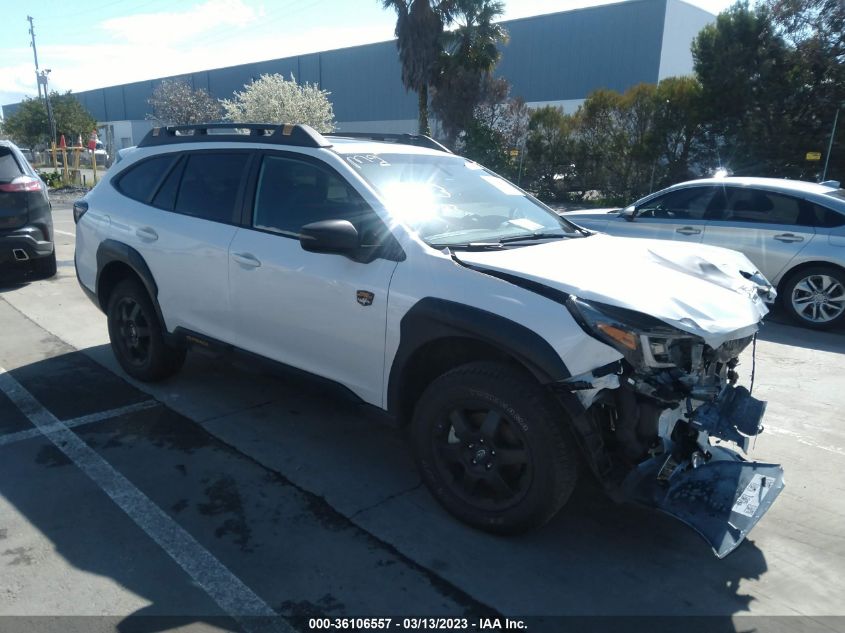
point(764, 207)
point(211, 184)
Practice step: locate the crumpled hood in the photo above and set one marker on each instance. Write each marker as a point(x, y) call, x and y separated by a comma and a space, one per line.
point(693, 287)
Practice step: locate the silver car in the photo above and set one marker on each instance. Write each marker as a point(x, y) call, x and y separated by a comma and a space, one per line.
point(793, 231)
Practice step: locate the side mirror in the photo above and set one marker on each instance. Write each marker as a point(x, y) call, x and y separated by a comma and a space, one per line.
point(329, 236)
point(629, 213)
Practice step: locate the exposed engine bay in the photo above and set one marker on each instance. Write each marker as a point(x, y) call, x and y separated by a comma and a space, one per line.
point(664, 426)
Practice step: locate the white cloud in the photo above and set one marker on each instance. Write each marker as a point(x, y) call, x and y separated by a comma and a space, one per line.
point(173, 27)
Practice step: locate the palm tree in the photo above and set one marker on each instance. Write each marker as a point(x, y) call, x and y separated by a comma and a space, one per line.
point(419, 29)
point(470, 53)
point(474, 43)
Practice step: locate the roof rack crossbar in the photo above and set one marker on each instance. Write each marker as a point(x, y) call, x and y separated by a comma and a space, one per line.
point(420, 140)
point(272, 133)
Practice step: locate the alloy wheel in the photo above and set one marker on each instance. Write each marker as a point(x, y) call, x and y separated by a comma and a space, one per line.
point(818, 298)
point(483, 456)
point(134, 330)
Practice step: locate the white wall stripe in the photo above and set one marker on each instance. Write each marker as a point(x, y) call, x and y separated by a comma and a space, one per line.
point(19, 436)
point(227, 590)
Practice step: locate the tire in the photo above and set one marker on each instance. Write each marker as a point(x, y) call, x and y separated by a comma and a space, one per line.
point(815, 297)
point(485, 411)
point(45, 267)
point(137, 335)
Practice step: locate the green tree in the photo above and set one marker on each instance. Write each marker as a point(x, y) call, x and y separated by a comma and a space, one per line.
point(550, 152)
point(815, 31)
point(419, 29)
point(470, 53)
point(750, 87)
point(174, 102)
point(272, 99)
point(28, 124)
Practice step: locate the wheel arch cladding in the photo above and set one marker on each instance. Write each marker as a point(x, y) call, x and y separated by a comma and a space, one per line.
point(117, 261)
point(453, 333)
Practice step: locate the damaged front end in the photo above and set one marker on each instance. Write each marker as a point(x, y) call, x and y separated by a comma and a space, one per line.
point(656, 423)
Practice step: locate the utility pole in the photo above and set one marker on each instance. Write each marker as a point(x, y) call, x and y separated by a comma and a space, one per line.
point(34, 53)
point(830, 144)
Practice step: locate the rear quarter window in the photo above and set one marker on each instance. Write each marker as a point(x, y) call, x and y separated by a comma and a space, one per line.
point(9, 168)
point(141, 180)
point(828, 218)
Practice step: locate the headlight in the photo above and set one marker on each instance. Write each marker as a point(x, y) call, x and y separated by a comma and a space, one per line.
point(642, 339)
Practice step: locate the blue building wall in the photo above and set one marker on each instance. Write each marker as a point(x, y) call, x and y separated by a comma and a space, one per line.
point(560, 56)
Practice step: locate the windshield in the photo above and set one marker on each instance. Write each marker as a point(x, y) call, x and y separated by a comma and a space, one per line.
point(452, 201)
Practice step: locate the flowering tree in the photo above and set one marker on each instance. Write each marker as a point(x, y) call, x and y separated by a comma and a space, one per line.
point(272, 99)
point(176, 103)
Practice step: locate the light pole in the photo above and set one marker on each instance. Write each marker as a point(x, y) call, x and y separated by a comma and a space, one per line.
point(830, 144)
point(42, 80)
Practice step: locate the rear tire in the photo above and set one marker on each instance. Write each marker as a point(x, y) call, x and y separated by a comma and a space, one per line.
point(137, 335)
point(491, 447)
point(815, 297)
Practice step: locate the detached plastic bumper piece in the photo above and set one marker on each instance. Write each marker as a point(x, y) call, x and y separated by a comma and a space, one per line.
point(721, 499)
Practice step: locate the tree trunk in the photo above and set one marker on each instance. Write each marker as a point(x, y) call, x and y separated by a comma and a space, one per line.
point(423, 110)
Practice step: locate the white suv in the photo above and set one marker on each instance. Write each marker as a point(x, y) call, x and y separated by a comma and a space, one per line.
point(428, 287)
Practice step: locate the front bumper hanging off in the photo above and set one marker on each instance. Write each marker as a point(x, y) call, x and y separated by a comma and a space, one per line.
point(721, 499)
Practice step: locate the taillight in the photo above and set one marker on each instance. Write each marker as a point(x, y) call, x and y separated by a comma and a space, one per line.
point(22, 183)
point(79, 209)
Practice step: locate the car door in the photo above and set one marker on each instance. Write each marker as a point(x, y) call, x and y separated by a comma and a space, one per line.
point(322, 313)
point(769, 228)
point(676, 215)
point(181, 220)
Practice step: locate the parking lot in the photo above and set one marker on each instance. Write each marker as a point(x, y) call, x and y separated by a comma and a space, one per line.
point(224, 496)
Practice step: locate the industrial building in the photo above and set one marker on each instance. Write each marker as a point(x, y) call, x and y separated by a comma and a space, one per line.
point(553, 59)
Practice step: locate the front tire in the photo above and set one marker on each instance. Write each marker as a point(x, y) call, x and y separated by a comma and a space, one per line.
point(491, 447)
point(815, 297)
point(137, 335)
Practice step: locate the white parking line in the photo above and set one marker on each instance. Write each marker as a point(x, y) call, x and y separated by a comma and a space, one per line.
point(227, 590)
point(19, 436)
point(64, 232)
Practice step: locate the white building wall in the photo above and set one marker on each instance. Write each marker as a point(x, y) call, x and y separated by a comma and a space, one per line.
point(681, 24)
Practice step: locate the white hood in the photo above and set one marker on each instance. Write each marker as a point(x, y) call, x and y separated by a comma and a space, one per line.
point(693, 287)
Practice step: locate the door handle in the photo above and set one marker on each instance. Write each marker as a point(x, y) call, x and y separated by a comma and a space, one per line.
point(688, 230)
point(246, 259)
point(146, 233)
point(789, 237)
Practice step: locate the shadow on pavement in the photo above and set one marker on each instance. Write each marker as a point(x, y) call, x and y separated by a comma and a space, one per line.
point(290, 546)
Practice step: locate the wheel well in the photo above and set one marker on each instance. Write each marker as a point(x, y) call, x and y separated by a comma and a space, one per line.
point(436, 358)
point(109, 277)
point(804, 266)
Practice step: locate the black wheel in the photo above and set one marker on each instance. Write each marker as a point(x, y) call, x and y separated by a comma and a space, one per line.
point(137, 335)
point(45, 267)
point(815, 297)
point(492, 448)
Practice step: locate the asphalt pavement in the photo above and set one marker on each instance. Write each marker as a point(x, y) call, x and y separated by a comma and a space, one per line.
point(224, 497)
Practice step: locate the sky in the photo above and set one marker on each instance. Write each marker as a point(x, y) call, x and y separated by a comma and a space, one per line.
point(91, 44)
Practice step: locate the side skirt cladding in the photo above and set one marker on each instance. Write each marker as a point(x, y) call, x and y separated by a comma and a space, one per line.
point(431, 320)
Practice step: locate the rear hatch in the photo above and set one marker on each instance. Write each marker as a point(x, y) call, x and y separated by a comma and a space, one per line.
point(15, 189)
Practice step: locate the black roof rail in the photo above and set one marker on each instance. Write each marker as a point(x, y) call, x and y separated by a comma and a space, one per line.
point(420, 140)
point(273, 133)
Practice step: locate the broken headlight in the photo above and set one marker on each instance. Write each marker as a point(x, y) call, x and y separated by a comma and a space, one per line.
point(642, 339)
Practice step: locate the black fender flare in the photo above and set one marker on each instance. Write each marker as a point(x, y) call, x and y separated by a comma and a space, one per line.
point(111, 251)
point(431, 319)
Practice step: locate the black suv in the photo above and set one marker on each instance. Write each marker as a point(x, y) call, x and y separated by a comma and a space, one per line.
point(26, 222)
